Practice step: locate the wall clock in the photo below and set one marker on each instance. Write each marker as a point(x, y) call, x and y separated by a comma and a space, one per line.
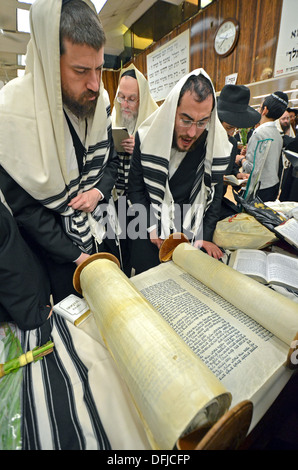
point(226, 37)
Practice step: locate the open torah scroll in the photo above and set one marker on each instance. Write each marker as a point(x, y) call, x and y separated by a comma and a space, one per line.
point(177, 387)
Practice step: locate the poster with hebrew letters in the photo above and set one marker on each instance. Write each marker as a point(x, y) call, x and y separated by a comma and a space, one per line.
point(286, 60)
point(167, 64)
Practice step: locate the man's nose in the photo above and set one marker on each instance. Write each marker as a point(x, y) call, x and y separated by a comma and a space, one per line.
point(192, 130)
point(93, 81)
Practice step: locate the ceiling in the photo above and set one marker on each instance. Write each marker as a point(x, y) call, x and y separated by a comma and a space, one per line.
point(116, 16)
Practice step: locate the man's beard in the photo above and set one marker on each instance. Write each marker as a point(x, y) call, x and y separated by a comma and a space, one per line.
point(192, 147)
point(285, 127)
point(83, 107)
point(129, 122)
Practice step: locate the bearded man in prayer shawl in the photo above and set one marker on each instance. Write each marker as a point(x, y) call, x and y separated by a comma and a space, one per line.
point(180, 155)
point(58, 164)
point(132, 105)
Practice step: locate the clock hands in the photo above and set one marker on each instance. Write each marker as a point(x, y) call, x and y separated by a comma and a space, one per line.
point(223, 41)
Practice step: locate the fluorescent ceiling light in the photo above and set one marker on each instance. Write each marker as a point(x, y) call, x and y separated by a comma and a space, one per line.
point(98, 4)
point(23, 23)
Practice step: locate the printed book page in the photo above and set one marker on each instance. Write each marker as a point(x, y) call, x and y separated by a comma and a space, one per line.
point(233, 180)
point(289, 231)
point(271, 268)
point(239, 351)
point(250, 262)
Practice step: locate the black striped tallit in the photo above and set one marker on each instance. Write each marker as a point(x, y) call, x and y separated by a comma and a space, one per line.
point(155, 170)
point(59, 412)
point(121, 183)
point(75, 223)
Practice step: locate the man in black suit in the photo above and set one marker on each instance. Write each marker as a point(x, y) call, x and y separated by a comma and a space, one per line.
point(175, 181)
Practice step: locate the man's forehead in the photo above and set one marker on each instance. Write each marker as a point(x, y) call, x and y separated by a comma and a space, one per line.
point(190, 104)
point(128, 85)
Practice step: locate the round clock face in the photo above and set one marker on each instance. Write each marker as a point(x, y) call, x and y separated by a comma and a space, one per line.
point(226, 37)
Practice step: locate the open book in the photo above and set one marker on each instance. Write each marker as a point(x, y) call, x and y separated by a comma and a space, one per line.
point(190, 337)
point(288, 231)
point(268, 268)
point(234, 181)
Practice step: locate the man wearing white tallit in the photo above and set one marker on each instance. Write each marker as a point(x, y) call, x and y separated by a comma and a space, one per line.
point(58, 164)
point(181, 152)
point(132, 105)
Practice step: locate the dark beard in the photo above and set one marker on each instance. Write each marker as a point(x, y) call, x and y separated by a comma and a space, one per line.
point(285, 127)
point(194, 145)
point(81, 110)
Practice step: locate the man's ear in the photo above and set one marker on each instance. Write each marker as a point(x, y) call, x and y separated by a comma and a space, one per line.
point(264, 111)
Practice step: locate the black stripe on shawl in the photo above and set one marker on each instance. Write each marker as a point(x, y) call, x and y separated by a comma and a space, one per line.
point(67, 433)
point(88, 398)
point(52, 199)
point(220, 161)
point(156, 160)
point(153, 191)
point(99, 145)
point(30, 434)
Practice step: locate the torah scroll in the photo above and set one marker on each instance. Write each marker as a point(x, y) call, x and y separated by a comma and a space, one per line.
point(172, 389)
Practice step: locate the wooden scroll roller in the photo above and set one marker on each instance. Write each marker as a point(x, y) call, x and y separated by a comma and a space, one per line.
point(227, 434)
point(77, 273)
point(292, 359)
point(169, 244)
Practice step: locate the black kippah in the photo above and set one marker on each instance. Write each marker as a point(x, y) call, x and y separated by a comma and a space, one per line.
point(129, 73)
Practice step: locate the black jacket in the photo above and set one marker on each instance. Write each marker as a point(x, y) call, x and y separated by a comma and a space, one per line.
point(24, 286)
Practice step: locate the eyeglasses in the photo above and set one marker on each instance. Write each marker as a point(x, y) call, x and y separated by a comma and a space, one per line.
point(188, 123)
point(129, 101)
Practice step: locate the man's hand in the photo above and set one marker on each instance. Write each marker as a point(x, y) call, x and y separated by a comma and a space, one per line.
point(82, 258)
point(128, 144)
point(210, 248)
point(86, 201)
point(154, 238)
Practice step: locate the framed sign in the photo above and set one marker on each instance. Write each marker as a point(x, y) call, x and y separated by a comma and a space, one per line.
point(286, 59)
point(167, 64)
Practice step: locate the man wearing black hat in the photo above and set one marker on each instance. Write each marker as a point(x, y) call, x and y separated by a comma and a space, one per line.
point(234, 112)
point(264, 148)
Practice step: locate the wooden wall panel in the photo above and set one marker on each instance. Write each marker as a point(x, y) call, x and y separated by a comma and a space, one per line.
point(202, 31)
point(254, 55)
point(110, 80)
point(267, 32)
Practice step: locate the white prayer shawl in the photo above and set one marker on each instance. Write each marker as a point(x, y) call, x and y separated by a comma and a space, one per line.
point(156, 138)
point(147, 106)
point(32, 140)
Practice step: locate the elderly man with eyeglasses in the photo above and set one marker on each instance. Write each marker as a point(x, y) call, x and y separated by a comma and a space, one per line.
point(132, 105)
point(176, 177)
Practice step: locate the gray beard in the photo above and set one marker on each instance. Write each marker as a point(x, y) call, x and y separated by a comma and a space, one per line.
point(129, 123)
